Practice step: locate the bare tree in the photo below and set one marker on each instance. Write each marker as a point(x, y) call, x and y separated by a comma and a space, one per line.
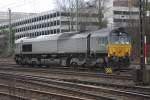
point(73, 9)
point(100, 7)
point(63, 4)
point(82, 12)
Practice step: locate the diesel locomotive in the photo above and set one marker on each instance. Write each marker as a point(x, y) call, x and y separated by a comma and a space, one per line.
point(90, 49)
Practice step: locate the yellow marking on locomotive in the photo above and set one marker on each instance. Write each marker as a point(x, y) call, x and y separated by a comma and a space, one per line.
point(119, 50)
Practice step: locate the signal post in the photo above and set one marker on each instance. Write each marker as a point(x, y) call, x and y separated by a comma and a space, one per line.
point(142, 74)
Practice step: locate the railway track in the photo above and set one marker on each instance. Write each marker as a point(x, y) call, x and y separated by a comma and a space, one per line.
point(65, 71)
point(89, 91)
point(70, 75)
point(7, 96)
point(135, 89)
point(35, 94)
point(32, 88)
point(113, 91)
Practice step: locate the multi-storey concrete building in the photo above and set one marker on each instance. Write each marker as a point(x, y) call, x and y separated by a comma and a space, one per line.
point(51, 22)
point(121, 13)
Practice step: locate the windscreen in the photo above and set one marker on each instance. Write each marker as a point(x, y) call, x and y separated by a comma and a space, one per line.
point(120, 38)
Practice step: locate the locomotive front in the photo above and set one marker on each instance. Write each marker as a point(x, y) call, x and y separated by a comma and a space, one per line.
point(119, 49)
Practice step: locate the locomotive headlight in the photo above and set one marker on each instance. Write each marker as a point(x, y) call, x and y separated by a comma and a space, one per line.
point(127, 42)
point(113, 54)
point(126, 54)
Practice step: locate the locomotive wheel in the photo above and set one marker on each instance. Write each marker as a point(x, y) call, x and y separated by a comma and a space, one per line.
point(127, 62)
point(74, 65)
point(22, 63)
point(17, 62)
point(47, 66)
point(33, 64)
point(99, 66)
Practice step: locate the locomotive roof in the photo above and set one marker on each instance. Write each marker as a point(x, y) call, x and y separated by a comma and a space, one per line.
point(67, 35)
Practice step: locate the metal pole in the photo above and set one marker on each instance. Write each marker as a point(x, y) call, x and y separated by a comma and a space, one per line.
point(99, 12)
point(142, 22)
point(10, 30)
point(77, 15)
point(130, 14)
point(141, 35)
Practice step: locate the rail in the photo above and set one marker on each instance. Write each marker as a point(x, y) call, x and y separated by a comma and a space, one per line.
point(84, 88)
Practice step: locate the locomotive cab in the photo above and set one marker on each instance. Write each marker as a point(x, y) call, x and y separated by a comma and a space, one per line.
point(119, 48)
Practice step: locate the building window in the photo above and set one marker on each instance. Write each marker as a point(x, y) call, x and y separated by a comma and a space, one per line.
point(65, 14)
point(42, 32)
point(30, 27)
point(63, 30)
point(58, 22)
point(51, 31)
point(40, 18)
point(33, 19)
point(40, 25)
point(55, 31)
point(48, 31)
point(58, 14)
point(48, 24)
point(51, 15)
point(54, 15)
point(37, 33)
point(126, 13)
point(52, 24)
point(55, 22)
point(65, 22)
point(47, 16)
point(58, 30)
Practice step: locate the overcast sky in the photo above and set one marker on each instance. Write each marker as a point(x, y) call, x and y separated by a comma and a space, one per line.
point(27, 5)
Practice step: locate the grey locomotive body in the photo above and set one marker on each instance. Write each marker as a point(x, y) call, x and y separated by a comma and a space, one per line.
point(65, 49)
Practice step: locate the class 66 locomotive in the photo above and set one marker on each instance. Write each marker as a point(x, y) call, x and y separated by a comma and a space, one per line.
point(90, 49)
